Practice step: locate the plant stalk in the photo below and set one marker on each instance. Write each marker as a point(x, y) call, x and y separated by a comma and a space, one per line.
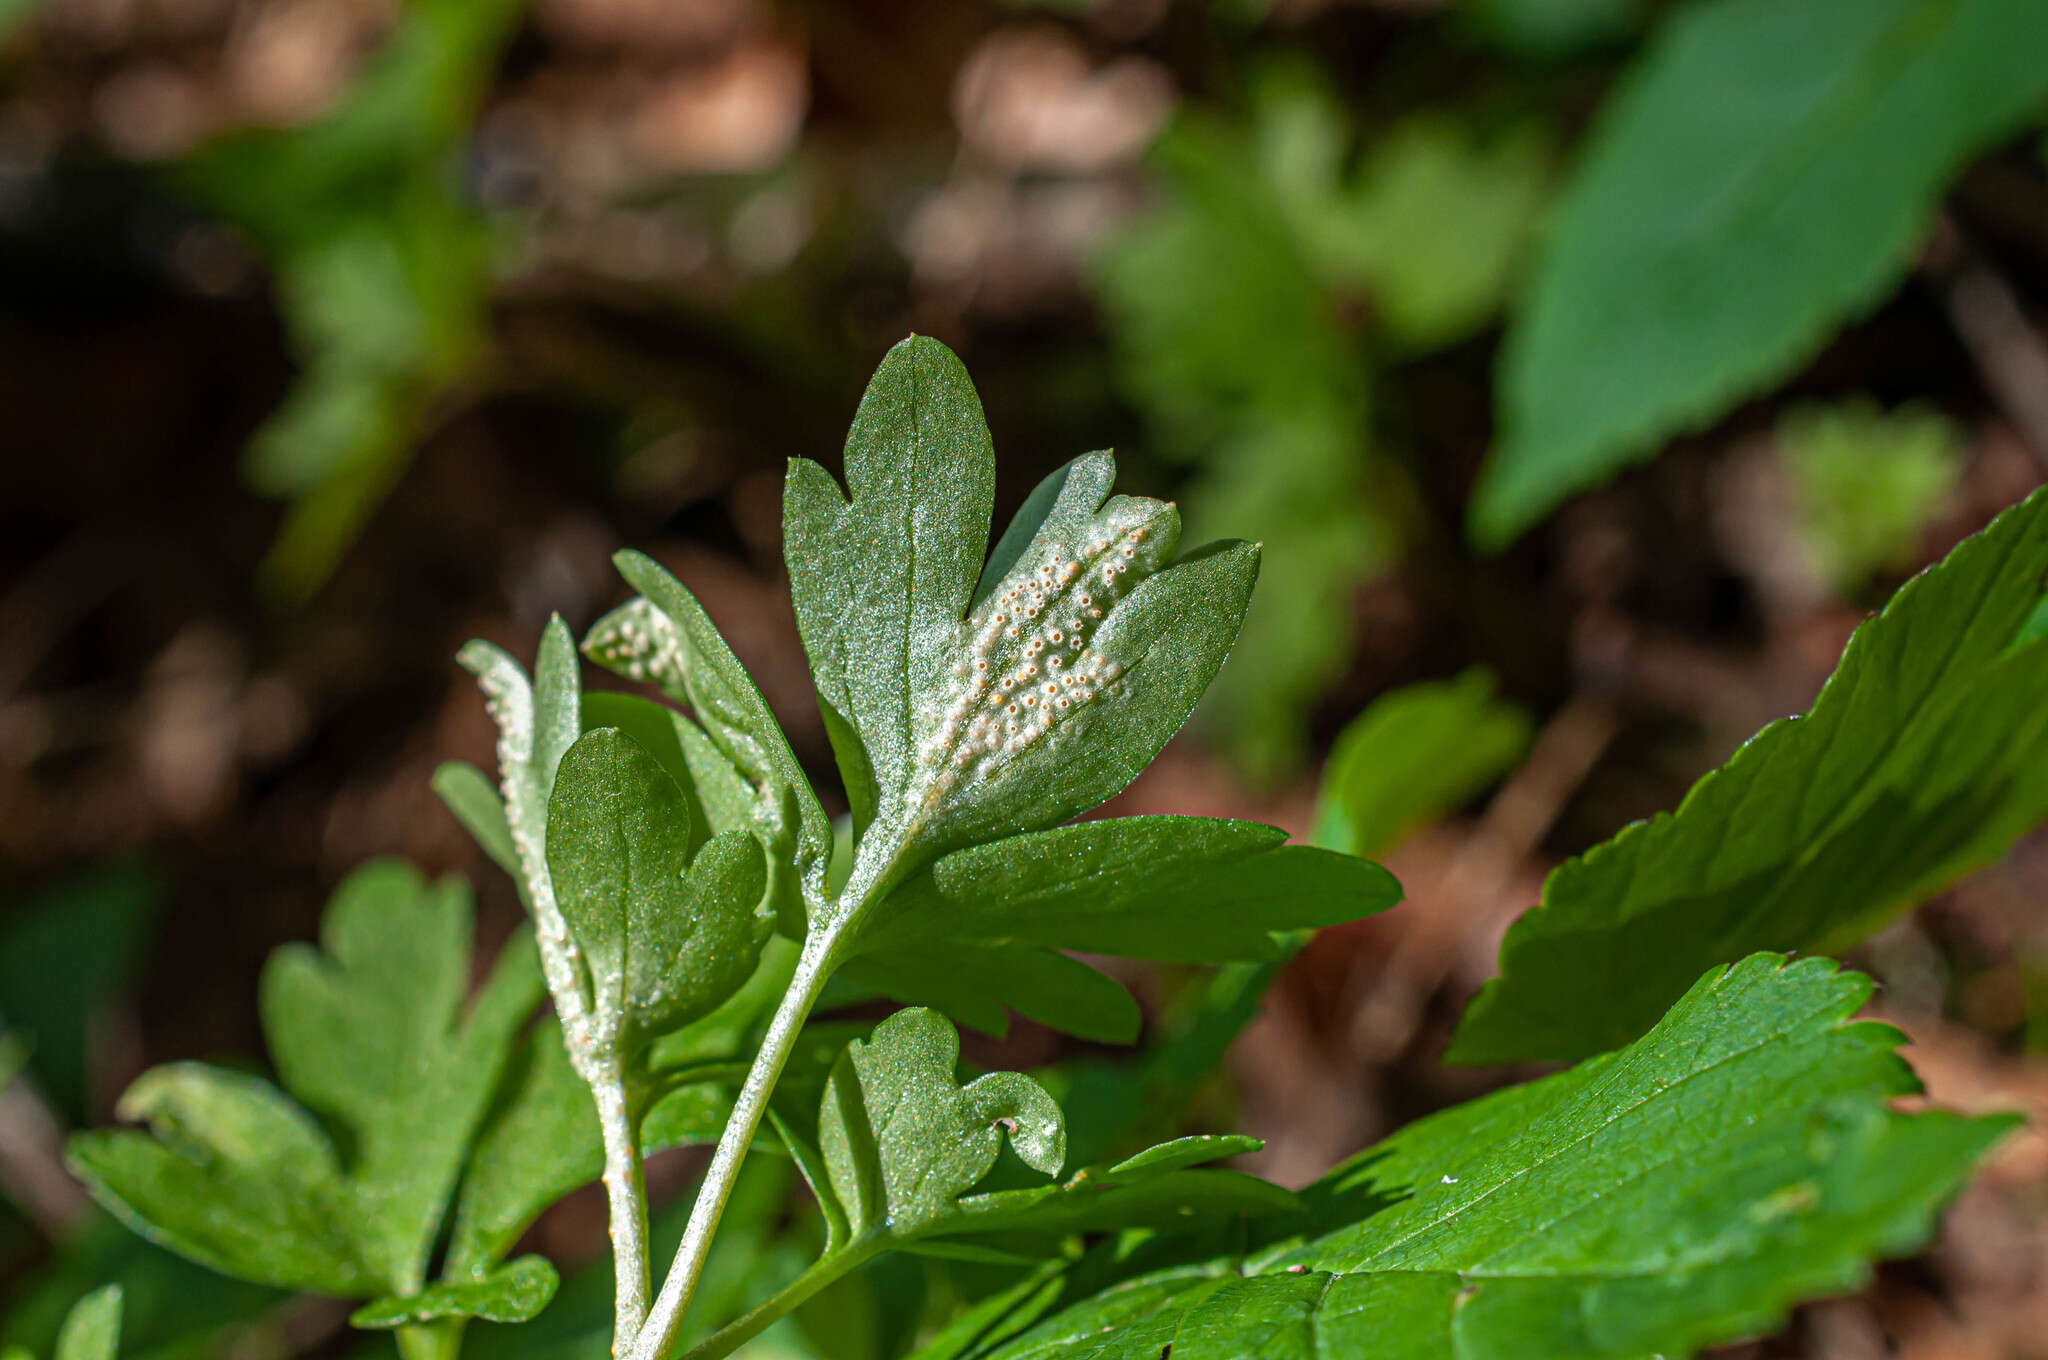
point(625, 1188)
point(825, 1271)
point(440, 1340)
point(665, 1318)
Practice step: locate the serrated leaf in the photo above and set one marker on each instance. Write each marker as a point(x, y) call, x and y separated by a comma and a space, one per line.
point(514, 1292)
point(1681, 1193)
point(664, 938)
point(1924, 756)
point(1177, 889)
point(93, 1330)
point(1037, 703)
point(1766, 221)
point(903, 1140)
point(1414, 755)
point(667, 638)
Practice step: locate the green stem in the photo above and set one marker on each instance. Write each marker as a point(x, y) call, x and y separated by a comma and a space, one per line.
point(665, 1318)
point(787, 1300)
point(431, 1340)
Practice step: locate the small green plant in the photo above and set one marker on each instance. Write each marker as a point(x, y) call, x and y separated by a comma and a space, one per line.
point(1727, 1147)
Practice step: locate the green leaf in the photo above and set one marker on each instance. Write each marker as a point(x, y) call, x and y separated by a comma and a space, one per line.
point(1436, 225)
point(1684, 1192)
point(540, 1142)
point(1178, 889)
point(1924, 756)
point(368, 1031)
point(237, 1178)
point(1867, 483)
point(666, 637)
point(973, 982)
point(64, 953)
point(93, 1331)
point(904, 1146)
point(1041, 701)
point(538, 721)
point(882, 581)
point(1228, 336)
point(664, 938)
point(383, 269)
point(515, 1292)
point(1765, 221)
point(469, 795)
point(903, 1141)
point(1414, 755)
point(369, 1036)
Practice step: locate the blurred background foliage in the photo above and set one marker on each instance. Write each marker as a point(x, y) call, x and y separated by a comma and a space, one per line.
point(1587, 367)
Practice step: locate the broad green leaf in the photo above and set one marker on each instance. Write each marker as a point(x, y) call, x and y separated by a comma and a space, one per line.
point(93, 1331)
point(664, 938)
point(1766, 174)
point(1037, 703)
point(368, 1031)
point(1412, 756)
point(1178, 889)
point(1924, 756)
point(903, 1141)
point(1684, 1192)
point(237, 1178)
point(666, 637)
point(541, 1142)
point(514, 1292)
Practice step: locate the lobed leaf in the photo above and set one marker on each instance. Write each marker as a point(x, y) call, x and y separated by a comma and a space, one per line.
point(902, 1141)
point(514, 1292)
point(1681, 1193)
point(664, 938)
point(965, 702)
point(341, 1187)
point(1766, 173)
point(1924, 756)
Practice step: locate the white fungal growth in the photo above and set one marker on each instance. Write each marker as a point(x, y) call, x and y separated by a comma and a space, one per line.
point(641, 643)
point(1033, 639)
